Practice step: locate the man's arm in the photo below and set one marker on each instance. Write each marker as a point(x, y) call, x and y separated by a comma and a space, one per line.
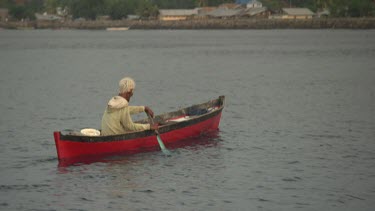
point(128, 123)
point(139, 109)
point(136, 109)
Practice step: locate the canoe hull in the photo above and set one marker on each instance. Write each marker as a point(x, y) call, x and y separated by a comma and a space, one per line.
point(69, 147)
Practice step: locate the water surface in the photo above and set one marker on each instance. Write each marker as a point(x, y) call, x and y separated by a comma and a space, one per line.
point(297, 132)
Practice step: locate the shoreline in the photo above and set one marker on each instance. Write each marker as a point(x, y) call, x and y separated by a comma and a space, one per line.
point(195, 24)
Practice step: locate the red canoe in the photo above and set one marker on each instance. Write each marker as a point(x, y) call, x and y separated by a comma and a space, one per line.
point(174, 126)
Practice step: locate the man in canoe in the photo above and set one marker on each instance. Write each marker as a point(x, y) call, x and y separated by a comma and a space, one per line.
point(117, 116)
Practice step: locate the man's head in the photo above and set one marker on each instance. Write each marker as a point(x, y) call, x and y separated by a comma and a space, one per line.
point(126, 87)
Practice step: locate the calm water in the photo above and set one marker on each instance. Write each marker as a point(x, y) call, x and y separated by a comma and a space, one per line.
point(297, 133)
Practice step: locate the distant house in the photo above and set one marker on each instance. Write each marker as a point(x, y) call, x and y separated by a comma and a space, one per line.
point(177, 14)
point(297, 13)
point(205, 10)
point(261, 12)
point(254, 4)
point(225, 13)
point(230, 6)
point(4, 14)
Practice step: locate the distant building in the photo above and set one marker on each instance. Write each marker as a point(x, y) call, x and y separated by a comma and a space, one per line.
point(177, 14)
point(259, 12)
point(205, 10)
point(4, 14)
point(254, 4)
point(297, 13)
point(225, 13)
point(230, 6)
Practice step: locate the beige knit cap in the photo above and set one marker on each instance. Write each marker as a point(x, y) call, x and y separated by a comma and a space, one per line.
point(126, 84)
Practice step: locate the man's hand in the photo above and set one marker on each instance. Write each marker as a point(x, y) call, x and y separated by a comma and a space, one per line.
point(149, 111)
point(154, 127)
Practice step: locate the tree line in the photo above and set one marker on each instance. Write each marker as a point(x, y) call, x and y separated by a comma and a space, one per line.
point(118, 9)
point(91, 9)
point(337, 8)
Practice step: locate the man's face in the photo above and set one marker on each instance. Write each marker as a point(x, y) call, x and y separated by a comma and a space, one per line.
point(129, 94)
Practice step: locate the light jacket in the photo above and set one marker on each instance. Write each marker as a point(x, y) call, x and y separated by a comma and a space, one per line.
point(117, 117)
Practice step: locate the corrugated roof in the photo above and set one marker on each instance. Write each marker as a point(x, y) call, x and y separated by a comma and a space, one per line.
point(203, 10)
point(254, 11)
point(298, 11)
point(223, 12)
point(229, 6)
point(178, 12)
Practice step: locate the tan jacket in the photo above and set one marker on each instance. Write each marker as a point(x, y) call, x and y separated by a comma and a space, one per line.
point(117, 117)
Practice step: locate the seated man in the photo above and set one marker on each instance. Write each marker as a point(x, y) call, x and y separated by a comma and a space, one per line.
point(116, 118)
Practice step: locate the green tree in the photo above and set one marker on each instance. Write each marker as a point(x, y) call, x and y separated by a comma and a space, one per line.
point(50, 6)
point(201, 3)
point(6, 3)
point(26, 11)
point(88, 9)
point(147, 9)
point(311, 4)
point(361, 8)
point(21, 12)
point(118, 9)
point(218, 2)
point(35, 6)
point(274, 5)
point(175, 4)
point(351, 8)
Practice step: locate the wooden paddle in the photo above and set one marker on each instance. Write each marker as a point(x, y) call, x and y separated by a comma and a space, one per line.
point(161, 144)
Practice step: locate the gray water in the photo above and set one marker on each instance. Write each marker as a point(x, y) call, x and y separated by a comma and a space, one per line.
point(297, 132)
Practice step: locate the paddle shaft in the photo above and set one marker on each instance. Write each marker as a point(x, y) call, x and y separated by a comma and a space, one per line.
point(161, 144)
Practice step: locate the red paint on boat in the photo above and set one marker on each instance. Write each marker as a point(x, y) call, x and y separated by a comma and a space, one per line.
point(72, 149)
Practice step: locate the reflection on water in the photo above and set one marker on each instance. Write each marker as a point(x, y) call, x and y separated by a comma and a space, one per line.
point(147, 174)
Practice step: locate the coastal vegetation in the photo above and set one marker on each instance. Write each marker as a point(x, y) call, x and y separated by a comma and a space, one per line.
point(91, 9)
point(337, 8)
point(120, 9)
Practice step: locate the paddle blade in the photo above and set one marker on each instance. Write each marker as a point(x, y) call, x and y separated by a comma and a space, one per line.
point(162, 147)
